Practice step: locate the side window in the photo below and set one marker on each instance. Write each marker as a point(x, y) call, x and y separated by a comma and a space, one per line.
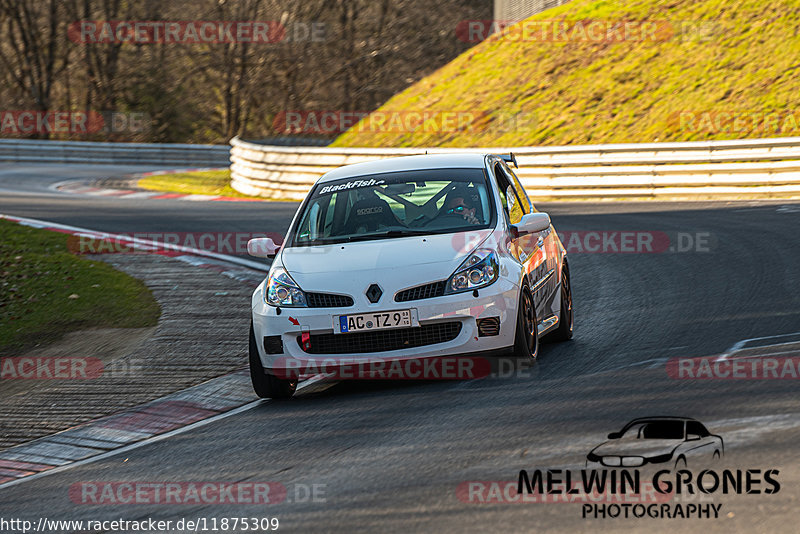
point(515, 211)
point(694, 427)
point(527, 206)
point(514, 207)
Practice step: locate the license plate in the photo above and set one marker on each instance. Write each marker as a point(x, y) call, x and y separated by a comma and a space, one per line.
point(362, 322)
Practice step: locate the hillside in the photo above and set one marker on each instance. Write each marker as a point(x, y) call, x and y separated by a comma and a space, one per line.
point(687, 70)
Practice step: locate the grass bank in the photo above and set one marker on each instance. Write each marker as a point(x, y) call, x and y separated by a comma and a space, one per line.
point(193, 183)
point(47, 291)
point(688, 70)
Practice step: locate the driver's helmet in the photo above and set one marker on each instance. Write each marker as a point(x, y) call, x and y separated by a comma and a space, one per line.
point(458, 200)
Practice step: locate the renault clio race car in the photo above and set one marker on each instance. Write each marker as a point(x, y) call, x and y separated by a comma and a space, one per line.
point(409, 258)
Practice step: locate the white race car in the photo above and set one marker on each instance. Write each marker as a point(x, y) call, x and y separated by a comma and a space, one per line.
point(409, 258)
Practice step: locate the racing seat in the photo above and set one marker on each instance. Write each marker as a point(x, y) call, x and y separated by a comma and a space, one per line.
point(369, 214)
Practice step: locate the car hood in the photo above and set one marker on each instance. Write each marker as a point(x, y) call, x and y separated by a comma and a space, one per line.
point(637, 447)
point(382, 253)
point(395, 263)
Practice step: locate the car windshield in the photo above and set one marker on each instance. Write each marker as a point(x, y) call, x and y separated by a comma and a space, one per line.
point(656, 430)
point(394, 205)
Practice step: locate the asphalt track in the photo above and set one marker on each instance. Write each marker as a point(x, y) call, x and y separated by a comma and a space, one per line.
point(390, 456)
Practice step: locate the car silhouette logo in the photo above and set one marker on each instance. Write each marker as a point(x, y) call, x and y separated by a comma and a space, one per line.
point(672, 442)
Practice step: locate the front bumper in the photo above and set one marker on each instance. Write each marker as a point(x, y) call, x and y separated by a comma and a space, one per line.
point(498, 300)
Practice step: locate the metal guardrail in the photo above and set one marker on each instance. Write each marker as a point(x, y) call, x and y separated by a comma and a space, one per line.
point(24, 150)
point(707, 168)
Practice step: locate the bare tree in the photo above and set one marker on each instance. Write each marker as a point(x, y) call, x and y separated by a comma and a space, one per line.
point(208, 92)
point(31, 52)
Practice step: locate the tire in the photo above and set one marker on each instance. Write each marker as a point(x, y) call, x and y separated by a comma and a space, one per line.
point(265, 385)
point(526, 339)
point(565, 316)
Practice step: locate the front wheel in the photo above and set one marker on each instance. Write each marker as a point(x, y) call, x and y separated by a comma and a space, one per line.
point(267, 386)
point(565, 318)
point(526, 340)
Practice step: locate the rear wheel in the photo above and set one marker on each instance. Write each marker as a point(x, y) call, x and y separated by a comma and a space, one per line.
point(565, 319)
point(267, 386)
point(526, 340)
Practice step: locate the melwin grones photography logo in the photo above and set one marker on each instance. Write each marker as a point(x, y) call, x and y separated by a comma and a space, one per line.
point(654, 467)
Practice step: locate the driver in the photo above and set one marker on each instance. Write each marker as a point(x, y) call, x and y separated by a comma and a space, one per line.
point(461, 205)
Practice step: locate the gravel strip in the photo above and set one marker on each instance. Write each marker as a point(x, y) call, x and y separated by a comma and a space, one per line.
point(202, 334)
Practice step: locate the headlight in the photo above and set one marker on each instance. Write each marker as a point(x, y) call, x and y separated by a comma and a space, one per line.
point(283, 291)
point(660, 459)
point(479, 270)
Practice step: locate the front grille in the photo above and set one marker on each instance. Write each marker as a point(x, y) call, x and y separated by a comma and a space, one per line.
point(489, 326)
point(427, 291)
point(382, 340)
point(326, 300)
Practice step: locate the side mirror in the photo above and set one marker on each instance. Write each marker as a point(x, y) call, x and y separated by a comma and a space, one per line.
point(262, 247)
point(614, 435)
point(692, 437)
point(531, 223)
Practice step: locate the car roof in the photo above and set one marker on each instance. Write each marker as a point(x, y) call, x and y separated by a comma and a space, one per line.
point(467, 160)
point(660, 418)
